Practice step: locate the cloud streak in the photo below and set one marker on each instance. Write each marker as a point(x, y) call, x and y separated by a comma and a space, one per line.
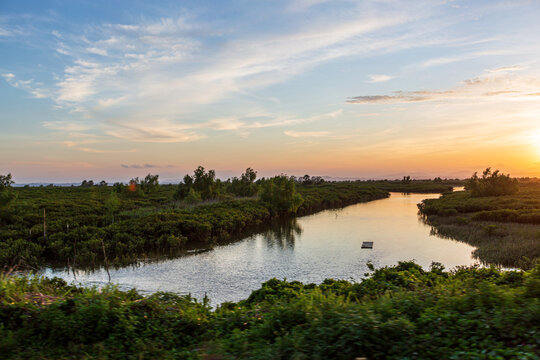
point(501, 83)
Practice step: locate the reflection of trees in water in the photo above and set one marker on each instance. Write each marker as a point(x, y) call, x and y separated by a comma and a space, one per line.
point(283, 234)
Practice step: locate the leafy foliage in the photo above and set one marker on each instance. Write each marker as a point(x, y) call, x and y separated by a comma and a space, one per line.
point(245, 185)
point(279, 193)
point(491, 184)
point(6, 193)
point(202, 182)
point(396, 312)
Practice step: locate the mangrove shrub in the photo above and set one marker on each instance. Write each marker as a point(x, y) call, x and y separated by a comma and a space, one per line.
point(491, 184)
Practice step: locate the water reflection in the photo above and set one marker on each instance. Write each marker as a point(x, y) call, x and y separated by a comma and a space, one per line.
point(283, 234)
point(308, 249)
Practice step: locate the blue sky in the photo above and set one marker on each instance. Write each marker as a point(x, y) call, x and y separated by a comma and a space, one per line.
point(373, 89)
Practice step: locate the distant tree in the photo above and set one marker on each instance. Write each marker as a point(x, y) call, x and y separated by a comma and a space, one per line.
point(406, 180)
point(279, 193)
point(306, 180)
point(205, 183)
point(6, 182)
point(437, 180)
point(317, 180)
point(150, 183)
point(245, 185)
point(6, 193)
point(202, 182)
point(183, 188)
point(118, 187)
point(491, 184)
point(103, 183)
point(87, 183)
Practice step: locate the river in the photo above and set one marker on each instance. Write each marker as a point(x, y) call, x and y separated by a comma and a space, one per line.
point(308, 249)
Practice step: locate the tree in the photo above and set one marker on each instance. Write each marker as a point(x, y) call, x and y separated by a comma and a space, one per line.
point(406, 180)
point(245, 186)
point(6, 182)
point(183, 188)
point(279, 193)
point(491, 184)
point(118, 187)
point(6, 193)
point(150, 183)
point(87, 183)
point(205, 183)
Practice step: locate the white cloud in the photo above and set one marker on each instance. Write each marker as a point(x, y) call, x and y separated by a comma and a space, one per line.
point(374, 78)
point(106, 103)
point(97, 51)
point(37, 90)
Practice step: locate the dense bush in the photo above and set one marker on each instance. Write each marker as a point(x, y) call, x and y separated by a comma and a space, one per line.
point(395, 313)
point(279, 194)
point(491, 184)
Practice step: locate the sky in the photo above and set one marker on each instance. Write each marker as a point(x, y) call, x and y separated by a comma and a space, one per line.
point(110, 90)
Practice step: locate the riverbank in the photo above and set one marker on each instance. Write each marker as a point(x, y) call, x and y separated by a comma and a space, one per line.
point(91, 227)
point(505, 229)
point(73, 227)
point(397, 312)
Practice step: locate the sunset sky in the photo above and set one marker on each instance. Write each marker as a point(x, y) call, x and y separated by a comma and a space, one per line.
point(369, 89)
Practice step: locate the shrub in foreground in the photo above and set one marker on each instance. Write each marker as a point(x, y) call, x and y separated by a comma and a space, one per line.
point(395, 313)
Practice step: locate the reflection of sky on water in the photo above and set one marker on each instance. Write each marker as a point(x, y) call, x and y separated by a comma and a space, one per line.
point(309, 249)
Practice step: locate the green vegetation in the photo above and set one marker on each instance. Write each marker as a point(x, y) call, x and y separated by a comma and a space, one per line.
point(491, 184)
point(279, 195)
point(505, 228)
point(6, 193)
point(81, 226)
point(400, 312)
point(70, 226)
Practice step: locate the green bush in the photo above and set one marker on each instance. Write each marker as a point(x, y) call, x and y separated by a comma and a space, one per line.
point(395, 313)
point(491, 184)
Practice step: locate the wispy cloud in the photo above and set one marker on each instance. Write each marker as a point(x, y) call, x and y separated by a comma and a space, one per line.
point(36, 89)
point(374, 78)
point(501, 83)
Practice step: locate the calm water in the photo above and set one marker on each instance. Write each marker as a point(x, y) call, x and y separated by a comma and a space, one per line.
point(309, 249)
